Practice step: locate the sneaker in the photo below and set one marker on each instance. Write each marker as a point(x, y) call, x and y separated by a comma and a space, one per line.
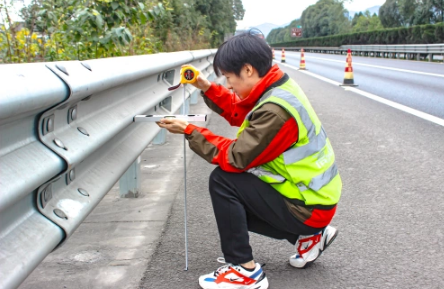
point(234, 276)
point(310, 247)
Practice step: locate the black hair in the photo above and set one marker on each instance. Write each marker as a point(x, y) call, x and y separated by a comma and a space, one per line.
point(243, 49)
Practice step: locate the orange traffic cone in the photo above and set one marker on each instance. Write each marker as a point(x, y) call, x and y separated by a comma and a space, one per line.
point(348, 78)
point(283, 55)
point(302, 63)
point(272, 50)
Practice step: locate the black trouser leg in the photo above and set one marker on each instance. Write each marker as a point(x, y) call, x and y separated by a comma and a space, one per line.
point(242, 203)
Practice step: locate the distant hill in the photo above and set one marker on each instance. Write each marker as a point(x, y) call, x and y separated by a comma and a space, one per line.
point(374, 9)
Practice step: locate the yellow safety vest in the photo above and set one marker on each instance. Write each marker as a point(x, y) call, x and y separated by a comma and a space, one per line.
point(307, 170)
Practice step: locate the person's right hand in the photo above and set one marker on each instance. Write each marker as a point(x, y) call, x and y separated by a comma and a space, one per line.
point(201, 82)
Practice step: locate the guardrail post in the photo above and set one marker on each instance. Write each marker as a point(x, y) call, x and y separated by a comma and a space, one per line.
point(130, 181)
point(430, 57)
point(195, 96)
point(187, 105)
point(418, 56)
point(160, 138)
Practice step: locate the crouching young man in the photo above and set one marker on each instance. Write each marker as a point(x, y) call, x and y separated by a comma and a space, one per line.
point(278, 178)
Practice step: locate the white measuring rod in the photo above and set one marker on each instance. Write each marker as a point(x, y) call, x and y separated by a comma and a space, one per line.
point(157, 118)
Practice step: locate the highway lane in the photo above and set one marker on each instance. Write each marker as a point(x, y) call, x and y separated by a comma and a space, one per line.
point(417, 85)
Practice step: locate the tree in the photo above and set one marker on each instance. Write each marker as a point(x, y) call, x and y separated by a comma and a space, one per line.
point(355, 19)
point(396, 13)
point(326, 17)
point(389, 14)
point(439, 12)
point(79, 29)
point(221, 17)
point(407, 10)
point(367, 22)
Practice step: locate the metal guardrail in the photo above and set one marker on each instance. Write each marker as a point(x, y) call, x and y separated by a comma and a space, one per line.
point(67, 136)
point(407, 50)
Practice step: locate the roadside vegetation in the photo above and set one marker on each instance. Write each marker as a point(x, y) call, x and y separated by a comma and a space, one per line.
point(54, 30)
point(327, 23)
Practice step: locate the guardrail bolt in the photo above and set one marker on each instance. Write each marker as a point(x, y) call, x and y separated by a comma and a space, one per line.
point(62, 69)
point(59, 213)
point(72, 175)
point(46, 195)
point(83, 192)
point(82, 130)
point(60, 144)
point(72, 114)
point(48, 124)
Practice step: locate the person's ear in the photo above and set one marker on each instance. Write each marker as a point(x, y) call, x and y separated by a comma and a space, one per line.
point(248, 69)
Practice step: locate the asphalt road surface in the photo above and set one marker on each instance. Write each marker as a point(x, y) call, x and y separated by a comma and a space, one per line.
point(419, 85)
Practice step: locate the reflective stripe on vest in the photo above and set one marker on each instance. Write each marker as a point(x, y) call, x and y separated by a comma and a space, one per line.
point(261, 172)
point(316, 142)
point(320, 181)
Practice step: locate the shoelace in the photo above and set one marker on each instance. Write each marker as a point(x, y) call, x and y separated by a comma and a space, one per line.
point(223, 268)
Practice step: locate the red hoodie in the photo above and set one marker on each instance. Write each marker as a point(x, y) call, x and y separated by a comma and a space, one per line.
point(271, 131)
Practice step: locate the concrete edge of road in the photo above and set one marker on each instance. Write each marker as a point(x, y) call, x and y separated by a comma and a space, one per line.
point(406, 109)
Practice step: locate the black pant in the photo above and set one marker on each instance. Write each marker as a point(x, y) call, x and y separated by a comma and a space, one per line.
point(242, 203)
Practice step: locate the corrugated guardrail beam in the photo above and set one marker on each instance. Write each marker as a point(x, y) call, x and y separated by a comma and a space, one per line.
point(67, 136)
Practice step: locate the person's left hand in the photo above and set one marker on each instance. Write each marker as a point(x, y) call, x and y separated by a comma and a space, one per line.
point(173, 125)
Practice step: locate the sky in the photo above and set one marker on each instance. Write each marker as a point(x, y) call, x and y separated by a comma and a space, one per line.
point(284, 11)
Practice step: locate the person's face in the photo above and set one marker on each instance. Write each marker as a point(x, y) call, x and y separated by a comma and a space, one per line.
point(243, 84)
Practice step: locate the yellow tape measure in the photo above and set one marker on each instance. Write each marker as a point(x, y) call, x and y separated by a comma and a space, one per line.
point(188, 74)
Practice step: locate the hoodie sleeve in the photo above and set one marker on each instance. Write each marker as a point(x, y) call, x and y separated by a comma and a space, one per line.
point(222, 101)
point(271, 131)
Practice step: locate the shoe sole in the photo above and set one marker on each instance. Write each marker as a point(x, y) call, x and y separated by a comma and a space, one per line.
point(262, 284)
point(308, 264)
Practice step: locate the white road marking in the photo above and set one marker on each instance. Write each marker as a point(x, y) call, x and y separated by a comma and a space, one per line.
point(383, 67)
point(393, 104)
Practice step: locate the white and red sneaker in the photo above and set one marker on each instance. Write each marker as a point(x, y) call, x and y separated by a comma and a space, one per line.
point(234, 277)
point(310, 247)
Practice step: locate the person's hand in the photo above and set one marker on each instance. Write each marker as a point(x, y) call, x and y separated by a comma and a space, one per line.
point(201, 82)
point(173, 125)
